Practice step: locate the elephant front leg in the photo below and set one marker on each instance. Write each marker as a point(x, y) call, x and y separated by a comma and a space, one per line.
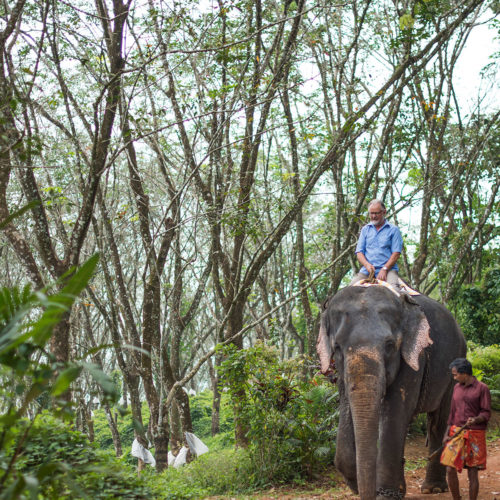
point(345, 453)
point(390, 459)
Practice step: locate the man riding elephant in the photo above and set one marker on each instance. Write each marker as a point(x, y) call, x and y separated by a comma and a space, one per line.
point(379, 247)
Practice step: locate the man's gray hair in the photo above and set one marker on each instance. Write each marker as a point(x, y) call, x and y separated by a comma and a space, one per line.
point(376, 201)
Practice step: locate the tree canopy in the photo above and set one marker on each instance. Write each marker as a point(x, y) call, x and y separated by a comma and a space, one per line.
point(220, 156)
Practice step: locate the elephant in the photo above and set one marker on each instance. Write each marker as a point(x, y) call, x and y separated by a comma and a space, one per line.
point(391, 352)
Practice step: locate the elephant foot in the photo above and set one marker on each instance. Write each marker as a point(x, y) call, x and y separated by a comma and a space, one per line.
point(390, 493)
point(429, 489)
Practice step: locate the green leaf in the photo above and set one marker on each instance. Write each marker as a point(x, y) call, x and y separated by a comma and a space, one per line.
point(18, 213)
point(65, 379)
point(106, 383)
point(406, 21)
point(60, 302)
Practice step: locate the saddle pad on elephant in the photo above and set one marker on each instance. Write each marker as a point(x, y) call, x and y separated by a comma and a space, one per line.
point(402, 285)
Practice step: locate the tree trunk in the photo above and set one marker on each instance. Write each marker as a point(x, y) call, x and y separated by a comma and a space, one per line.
point(161, 439)
point(132, 382)
point(182, 401)
point(235, 325)
point(176, 438)
point(216, 397)
point(90, 426)
point(117, 443)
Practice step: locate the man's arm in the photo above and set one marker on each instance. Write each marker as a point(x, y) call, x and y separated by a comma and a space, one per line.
point(361, 249)
point(475, 420)
point(364, 262)
point(382, 275)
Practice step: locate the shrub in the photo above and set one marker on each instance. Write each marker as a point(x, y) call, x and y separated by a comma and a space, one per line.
point(486, 365)
point(102, 432)
point(290, 419)
point(201, 414)
point(32, 379)
point(418, 425)
point(477, 309)
point(77, 467)
point(215, 473)
point(221, 440)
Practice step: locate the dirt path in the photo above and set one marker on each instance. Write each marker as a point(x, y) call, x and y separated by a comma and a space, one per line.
point(489, 480)
point(415, 453)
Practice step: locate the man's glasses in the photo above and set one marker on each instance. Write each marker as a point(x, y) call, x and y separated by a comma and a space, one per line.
point(375, 213)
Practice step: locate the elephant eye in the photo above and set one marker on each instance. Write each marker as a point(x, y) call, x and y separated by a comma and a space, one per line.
point(389, 346)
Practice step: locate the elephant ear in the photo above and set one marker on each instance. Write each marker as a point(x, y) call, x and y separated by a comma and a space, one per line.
point(416, 332)
point(323, 345)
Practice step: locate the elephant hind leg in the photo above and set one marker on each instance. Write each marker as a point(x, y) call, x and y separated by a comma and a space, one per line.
point(435, 477)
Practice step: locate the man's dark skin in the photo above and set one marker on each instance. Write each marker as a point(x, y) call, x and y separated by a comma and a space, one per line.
point(451, 472)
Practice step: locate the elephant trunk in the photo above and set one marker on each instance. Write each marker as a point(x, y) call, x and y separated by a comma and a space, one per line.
point(366, 380)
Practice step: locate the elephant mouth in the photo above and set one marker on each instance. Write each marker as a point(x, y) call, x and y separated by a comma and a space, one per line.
point(365, 374)
point(364, 361)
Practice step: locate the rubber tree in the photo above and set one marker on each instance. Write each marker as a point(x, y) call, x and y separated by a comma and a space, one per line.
point(23, 148)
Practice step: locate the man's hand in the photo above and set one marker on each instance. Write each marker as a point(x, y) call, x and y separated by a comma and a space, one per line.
point(382, 275)
point(472, 421)
point(370, 268)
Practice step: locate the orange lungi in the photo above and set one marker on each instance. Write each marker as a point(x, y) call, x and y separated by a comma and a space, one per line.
point(468, 449)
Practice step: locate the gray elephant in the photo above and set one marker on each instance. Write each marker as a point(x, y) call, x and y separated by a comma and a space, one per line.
point(391, 352)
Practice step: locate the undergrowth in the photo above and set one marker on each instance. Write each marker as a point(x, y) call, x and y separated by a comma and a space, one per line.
point(223, 472)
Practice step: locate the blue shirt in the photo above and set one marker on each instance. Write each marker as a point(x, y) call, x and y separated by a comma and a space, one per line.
point(378, 246)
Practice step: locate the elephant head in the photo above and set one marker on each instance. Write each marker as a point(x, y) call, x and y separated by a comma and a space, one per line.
point(369, 332)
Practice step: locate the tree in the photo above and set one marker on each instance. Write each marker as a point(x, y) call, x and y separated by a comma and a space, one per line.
point(22, 141)
point(238, 145)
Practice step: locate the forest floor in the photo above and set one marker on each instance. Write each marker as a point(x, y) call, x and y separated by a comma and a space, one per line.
point(415, 454)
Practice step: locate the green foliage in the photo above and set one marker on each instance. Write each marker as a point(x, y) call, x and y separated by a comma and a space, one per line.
point(125, 425)
point(406, 22)
point(222, 472)
point(486, 365)
point(221, 440)
point(51, 440)
point(478, 309)
point(31, 379)
point(77, 468)
point(290, 419)
point(418, 425)
point(201, 414)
